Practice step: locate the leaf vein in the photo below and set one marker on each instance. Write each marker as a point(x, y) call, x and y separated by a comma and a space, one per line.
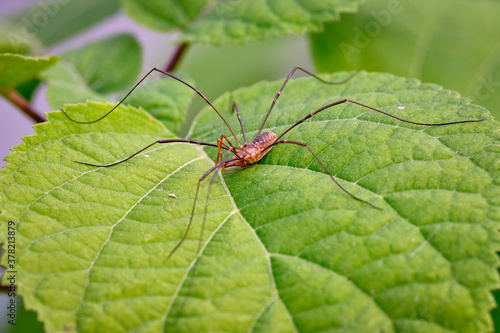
point(121, 219)
point(344, 276)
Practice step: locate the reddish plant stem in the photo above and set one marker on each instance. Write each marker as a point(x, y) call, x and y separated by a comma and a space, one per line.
point(176, 57)
point(15, 98)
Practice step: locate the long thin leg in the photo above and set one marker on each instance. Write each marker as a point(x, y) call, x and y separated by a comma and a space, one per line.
point(221, 143)
point(219, 147)
point(138, 83)
point(159, 141)
point(324, 167)
point(200, 240)
point(286, 81)
point(216, 166)
point(371, 108)
point(239, 119)
point(223, 136)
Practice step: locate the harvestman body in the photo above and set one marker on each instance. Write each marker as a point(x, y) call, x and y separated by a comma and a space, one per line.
point(251, 152)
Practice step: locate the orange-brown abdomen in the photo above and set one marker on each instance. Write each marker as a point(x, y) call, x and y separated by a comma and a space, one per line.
point(254, 151)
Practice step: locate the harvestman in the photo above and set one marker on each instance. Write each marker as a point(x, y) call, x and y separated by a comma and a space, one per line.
point(251, 152)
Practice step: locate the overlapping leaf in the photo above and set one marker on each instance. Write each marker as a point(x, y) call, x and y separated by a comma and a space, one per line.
point(284, 249)
point(16, 69)
point(20, 74)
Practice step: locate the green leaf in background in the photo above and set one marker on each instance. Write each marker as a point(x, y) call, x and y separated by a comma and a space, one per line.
point(51, 22)
point(12, 42)
point(66, 85)
point(452, 42)
point(19, 75)
point(245, 20)
point(284, 249)
point(164, 15)
point(230, 21)
point(17, 69)
point(167, 100)
point(109, 65)
point(89, 72)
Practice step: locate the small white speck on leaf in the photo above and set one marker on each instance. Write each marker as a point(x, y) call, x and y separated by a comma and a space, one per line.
point(172, 195)
point(413, 239)
point(146, 155)
point(401, 107)
point(416, 298)
point(160, 189)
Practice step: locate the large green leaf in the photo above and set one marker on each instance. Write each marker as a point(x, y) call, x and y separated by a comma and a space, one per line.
point(229, 21)
point(452, 42)
point(284, 249)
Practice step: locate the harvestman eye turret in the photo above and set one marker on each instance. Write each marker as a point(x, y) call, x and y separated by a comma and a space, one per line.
point(243, 156)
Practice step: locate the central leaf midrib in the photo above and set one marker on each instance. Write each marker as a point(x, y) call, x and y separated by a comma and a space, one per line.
point(267, 254)
point(191, 267)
